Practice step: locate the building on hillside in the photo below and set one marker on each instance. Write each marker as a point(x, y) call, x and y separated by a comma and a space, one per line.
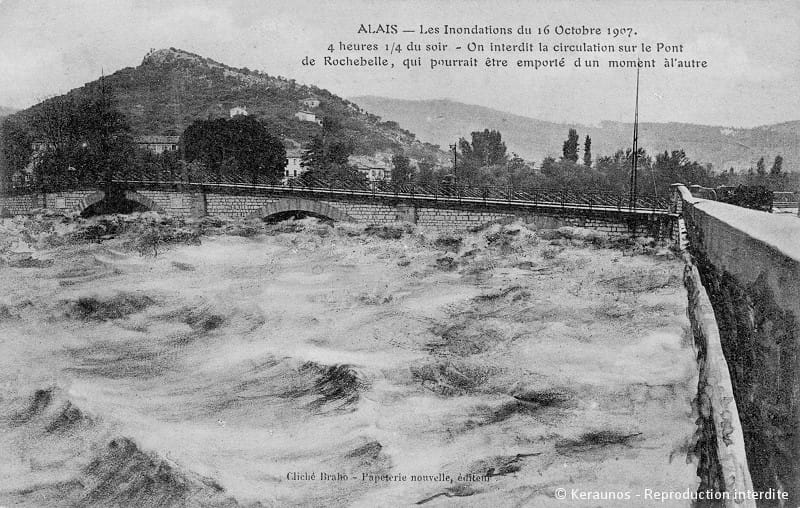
point(310, 102)
point(39, 146)
point(293, 167)
point(238, 110)
point(158, 144)
point(373, 168)
point(307, 116)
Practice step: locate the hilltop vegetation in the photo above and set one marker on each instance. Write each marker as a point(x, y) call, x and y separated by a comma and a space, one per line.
point(172, 88)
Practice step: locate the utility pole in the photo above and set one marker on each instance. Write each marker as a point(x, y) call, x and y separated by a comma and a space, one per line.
point(635, 161)
point(104, 145)
point(454, 147)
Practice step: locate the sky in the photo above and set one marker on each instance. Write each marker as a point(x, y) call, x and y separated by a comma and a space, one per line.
point(752, 49)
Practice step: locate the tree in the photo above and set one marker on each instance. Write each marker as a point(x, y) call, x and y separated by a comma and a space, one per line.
point(617, 169)
point(107, 142)
point(761, 167)
point(339, 151)
point(427, 174)
point(238, 147)
point(673, 167)
point(466, 167)
point(587, 152)
point(326, 156)
point(777, 166)
point(313, 157)
point(570, 149)
point(486, 149)
point(520, 174)
point(85, 138)
point(15, 148)
point(401, 169)
point(548, 168)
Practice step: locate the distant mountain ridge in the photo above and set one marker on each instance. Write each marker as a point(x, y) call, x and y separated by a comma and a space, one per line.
point(443, 121)
point(5, 111)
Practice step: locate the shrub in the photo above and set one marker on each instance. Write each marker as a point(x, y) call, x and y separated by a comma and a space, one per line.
point(551, 252)
point(387, 232)
point(148, 241)
point(448, 242)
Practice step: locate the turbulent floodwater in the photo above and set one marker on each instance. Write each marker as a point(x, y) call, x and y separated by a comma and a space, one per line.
point(494, 367)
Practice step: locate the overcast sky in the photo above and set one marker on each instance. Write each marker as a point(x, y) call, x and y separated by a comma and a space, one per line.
point(753, 50)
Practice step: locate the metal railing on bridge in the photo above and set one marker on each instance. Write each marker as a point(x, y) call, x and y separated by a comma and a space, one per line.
point(756, 197)
point(785, 199)
point(347, 187)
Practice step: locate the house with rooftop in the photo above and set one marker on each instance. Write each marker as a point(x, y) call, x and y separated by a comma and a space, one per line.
point(293, 168)
point(238, 110)
point(158, 144)
point(308, 116)
point(310, 102)
point(374, 169)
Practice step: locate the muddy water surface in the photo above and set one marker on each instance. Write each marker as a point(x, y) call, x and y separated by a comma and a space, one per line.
point(494, 370)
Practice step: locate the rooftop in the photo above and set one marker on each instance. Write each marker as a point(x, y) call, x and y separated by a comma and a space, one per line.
point(157, 139)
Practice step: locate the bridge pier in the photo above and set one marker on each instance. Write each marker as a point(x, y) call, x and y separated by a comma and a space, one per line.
point(198, 204)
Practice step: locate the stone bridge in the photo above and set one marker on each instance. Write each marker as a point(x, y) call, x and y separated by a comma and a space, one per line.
point(439, 212)
point(743, 281)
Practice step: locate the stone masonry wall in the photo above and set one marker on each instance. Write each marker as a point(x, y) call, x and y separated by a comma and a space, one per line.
point(373, 213)
point(172, 202)
point(749, 262)
point(457, 219)
point(719, 442)
point(66, 201)
point(233, 206)
point(20, 205)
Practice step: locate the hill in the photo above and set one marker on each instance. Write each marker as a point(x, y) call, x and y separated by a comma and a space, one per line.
point(171, 88)
point(444, 121)
point(5, 111)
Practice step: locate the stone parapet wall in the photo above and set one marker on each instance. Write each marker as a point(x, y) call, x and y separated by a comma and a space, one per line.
point(719, 440)
point(749, 263)
point(235, 206)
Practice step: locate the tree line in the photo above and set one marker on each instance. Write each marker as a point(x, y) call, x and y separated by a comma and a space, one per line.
point(483, 160)
point(84, 139)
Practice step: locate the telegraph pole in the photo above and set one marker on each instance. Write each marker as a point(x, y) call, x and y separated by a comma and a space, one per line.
point(635, 159)
point(104, 144)
point(453, 147)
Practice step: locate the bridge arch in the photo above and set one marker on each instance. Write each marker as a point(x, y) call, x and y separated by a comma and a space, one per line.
point(311, 207)
point(148, 203)
point(88, 201)
point(99, 203)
